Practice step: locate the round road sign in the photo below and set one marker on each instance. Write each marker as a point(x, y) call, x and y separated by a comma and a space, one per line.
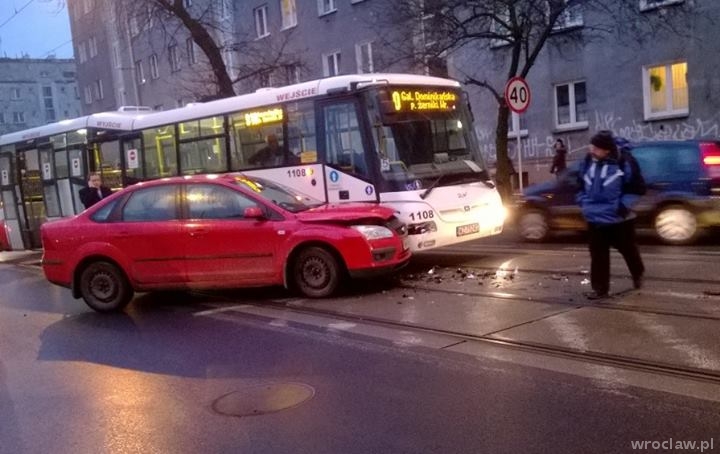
point(517, 94)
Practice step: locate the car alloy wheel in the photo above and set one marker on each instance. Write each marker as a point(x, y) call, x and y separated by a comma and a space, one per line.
point(676, 225)
point(316, 272)
point(533, 226)
point(104, 287)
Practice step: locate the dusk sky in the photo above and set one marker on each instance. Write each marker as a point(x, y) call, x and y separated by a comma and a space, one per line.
point(34, 27)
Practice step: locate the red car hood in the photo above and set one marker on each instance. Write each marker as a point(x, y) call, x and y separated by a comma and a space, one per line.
point(345, 213)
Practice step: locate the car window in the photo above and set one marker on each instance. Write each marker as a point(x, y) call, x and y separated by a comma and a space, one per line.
point(206, 201)
point(652, 162)
point(151, 204)
point(102, 214)
point(668, 163)
point(685, 163)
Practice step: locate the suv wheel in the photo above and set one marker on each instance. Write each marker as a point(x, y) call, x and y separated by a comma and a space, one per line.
point(533, 226)
point(676, 224)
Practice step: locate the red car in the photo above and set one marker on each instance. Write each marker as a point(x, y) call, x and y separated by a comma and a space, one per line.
point(217, 231)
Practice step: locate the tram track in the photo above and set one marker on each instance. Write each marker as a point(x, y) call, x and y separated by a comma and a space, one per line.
point(592, 357)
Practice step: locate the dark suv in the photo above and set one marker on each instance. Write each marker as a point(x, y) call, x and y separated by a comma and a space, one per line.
point(682, 199)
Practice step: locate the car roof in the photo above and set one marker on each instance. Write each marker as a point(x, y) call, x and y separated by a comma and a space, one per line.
point(199, 178)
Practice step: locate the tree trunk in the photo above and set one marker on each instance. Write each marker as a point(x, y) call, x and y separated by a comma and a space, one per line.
point(503, 165)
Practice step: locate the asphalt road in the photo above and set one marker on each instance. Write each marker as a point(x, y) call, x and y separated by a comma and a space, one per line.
point(171, 373)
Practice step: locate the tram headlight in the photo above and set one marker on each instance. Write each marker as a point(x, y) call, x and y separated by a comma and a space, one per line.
point(373, 232)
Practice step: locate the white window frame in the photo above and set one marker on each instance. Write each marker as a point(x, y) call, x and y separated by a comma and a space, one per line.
point(99, 89)
point(174, 58)
point(133, 25)
point(92, 47)
point(88, 94)
point(116, 56)
point(359, 57)
point(645, 6)
point(288, 11)
point(261, 25)
point(82, 52)
point(574, 123)
point(336, 59)
point(292, 73)
point(140, 72)
point(18, 117)
point(154, 69)
point(571, 17)
point(326, 7)
point(670, 112)
point(224, 9)
point(512, 130)
point(190, 49)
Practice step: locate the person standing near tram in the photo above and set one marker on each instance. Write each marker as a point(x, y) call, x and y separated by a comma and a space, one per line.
point(94, 192)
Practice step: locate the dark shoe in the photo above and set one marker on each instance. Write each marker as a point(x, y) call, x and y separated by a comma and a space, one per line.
point(597, 295)
point(638, 282)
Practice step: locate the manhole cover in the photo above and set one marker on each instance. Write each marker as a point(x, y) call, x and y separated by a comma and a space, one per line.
point(263, 399)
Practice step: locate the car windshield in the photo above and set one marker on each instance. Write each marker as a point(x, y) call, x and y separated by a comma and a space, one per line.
point(282, 196)
point(425, 140)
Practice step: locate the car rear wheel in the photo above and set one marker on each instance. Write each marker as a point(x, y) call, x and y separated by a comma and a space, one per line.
point(316, 272)
point(676, 224)
point(533, 226)
point(104, 287)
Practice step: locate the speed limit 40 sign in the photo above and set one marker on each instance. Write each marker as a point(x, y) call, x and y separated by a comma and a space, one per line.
point(517, 94)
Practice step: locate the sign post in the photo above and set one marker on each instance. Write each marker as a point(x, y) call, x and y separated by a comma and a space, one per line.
point(517, 98)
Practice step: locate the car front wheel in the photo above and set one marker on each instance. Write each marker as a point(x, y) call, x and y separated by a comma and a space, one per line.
point(316, 272)
point(676, 224)
point(533, 226)
point(104, 287)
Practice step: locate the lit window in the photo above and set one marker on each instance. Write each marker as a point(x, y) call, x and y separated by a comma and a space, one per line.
point(261, 28)
point(289, 13)
point(326, 6)
point(571, 106)
point(665, 90)
point(363, 54)
point(331, 64)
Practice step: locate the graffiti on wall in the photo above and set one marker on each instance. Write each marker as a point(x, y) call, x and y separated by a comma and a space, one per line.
point(538, 147)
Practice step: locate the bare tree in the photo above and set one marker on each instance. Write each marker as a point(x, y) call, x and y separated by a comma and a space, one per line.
point(514, 32)
point(217, 35)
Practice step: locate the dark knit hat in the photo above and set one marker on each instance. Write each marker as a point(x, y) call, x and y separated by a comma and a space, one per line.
point(604, 139)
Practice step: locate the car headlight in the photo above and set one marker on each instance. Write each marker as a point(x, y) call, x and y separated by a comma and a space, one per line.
point(373, 232)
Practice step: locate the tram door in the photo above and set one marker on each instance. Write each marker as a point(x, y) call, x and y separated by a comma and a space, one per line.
point(12, 210)
point(132, 161)
point(31, 197)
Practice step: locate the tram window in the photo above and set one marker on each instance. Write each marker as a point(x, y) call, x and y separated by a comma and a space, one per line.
point(61, 164)
point(343, 140)
point(58, 141)
point(159, 154)
point(76, 137)
point(9, 205)
point(203, 156)
point(301, 131)
point(249, 139)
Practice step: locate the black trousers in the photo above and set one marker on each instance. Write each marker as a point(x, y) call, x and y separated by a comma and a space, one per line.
point(621, 236)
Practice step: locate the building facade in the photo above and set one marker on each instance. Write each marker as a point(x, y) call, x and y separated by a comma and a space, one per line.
point(36, 92)
point(664, 85)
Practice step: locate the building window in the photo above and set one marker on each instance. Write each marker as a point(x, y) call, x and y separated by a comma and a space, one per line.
point(224, 9)
point(139, 72)
point(133, 25)
point(326, 7)
point(2, 118)
point(99, 92)
point(651, 4)
point(292, 74)
point(87, 6)
point(571, 106)
point(331, 64)
point(571, 16)
point(82, 53)
point(154, 72)
point(665, 90)
point(363, 55)
point(190, 48)
point(501, 34)
point(92, 45)
point(174, 58)
point(261, 28)
point(289, 13)
point(15, 93)
point(521, 126)
point(18, 117)
point(187, 3)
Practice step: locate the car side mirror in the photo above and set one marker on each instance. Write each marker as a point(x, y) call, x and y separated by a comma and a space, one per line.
point(254, 213)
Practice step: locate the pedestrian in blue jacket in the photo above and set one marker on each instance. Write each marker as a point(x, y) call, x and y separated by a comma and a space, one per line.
point(607, 210)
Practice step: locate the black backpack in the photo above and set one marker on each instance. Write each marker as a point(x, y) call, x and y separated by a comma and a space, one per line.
point(636, 184)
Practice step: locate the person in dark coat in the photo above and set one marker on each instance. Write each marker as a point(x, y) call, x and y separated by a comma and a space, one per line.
point(608, 212)
point(559, 159)
point(94, 192)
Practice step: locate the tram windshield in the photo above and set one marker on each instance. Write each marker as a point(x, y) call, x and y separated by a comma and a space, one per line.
point(425, 139)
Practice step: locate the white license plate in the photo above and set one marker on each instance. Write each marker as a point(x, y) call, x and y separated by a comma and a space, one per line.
point(467, 229)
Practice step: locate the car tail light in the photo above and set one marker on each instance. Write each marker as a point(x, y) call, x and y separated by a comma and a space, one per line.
point(711, 158)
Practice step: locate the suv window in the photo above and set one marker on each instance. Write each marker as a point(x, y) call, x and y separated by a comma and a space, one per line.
point(668, 163)
point(206, 201)
point(151, 204)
